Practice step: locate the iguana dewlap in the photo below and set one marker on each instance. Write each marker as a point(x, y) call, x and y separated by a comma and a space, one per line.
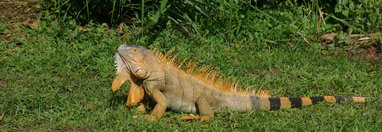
point(194, 90)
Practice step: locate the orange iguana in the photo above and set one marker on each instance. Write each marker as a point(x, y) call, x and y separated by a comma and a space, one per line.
point(193, 90)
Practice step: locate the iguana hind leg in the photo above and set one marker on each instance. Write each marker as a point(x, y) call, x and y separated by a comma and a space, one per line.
point(205, 110)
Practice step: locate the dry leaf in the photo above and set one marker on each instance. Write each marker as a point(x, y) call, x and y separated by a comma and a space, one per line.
point(33, 24)
point(371, 53)
point(120, 28)
point(14, 26)
point(105, 25)
point(364, 38)
point(89, 105)
point(357, 35)
point(328, 37)
point(124, 38)
point(2, 117)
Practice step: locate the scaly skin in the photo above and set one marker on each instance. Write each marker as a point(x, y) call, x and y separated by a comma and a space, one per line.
point(173, 88)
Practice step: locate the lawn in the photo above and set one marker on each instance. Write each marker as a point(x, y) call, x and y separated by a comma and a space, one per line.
point(58, 77)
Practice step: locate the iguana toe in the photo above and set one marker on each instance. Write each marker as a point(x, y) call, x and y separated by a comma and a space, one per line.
point(150, 118)
point(190, 117)
point(195, 117)
point(205, 118)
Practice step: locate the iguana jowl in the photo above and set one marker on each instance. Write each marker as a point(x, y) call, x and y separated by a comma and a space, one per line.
point(194, 90)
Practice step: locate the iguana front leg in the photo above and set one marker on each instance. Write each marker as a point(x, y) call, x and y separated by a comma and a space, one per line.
point(118, 81)
point(153, 91)
point(135, 94)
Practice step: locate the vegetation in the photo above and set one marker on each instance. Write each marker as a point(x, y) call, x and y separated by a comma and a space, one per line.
point(56, 70)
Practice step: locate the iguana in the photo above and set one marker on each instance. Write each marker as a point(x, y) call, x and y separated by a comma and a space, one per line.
point(194, 90)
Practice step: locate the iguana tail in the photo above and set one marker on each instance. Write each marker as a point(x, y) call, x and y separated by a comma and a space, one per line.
point(275, 103)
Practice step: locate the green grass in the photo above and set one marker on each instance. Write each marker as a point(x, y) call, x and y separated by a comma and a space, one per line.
point(59, 78)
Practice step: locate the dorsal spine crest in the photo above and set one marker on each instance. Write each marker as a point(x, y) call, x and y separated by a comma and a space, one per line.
point(206, 74)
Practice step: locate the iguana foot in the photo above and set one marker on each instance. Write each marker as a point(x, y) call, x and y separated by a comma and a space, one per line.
point(150, 118)
point(195, 117)
point(141, 108)
point(190, 117)
point(205, 118)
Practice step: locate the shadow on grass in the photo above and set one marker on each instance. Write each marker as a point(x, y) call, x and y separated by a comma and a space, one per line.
point(116, 100)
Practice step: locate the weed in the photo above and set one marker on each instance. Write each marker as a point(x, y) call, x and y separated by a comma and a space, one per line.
point(57, 76)
point(60, 79)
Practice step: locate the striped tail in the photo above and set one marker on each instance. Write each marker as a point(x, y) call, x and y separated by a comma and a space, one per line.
point(275, 103)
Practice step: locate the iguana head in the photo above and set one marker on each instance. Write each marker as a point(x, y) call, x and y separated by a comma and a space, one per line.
point(131, 63)
point(134, 60)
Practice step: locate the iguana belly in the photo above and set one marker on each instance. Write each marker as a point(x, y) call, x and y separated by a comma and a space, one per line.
point(180, 104)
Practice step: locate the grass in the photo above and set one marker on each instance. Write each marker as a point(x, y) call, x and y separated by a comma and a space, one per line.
point(59, 78)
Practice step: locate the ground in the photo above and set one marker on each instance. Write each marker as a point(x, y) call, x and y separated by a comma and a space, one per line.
point(59, 78)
